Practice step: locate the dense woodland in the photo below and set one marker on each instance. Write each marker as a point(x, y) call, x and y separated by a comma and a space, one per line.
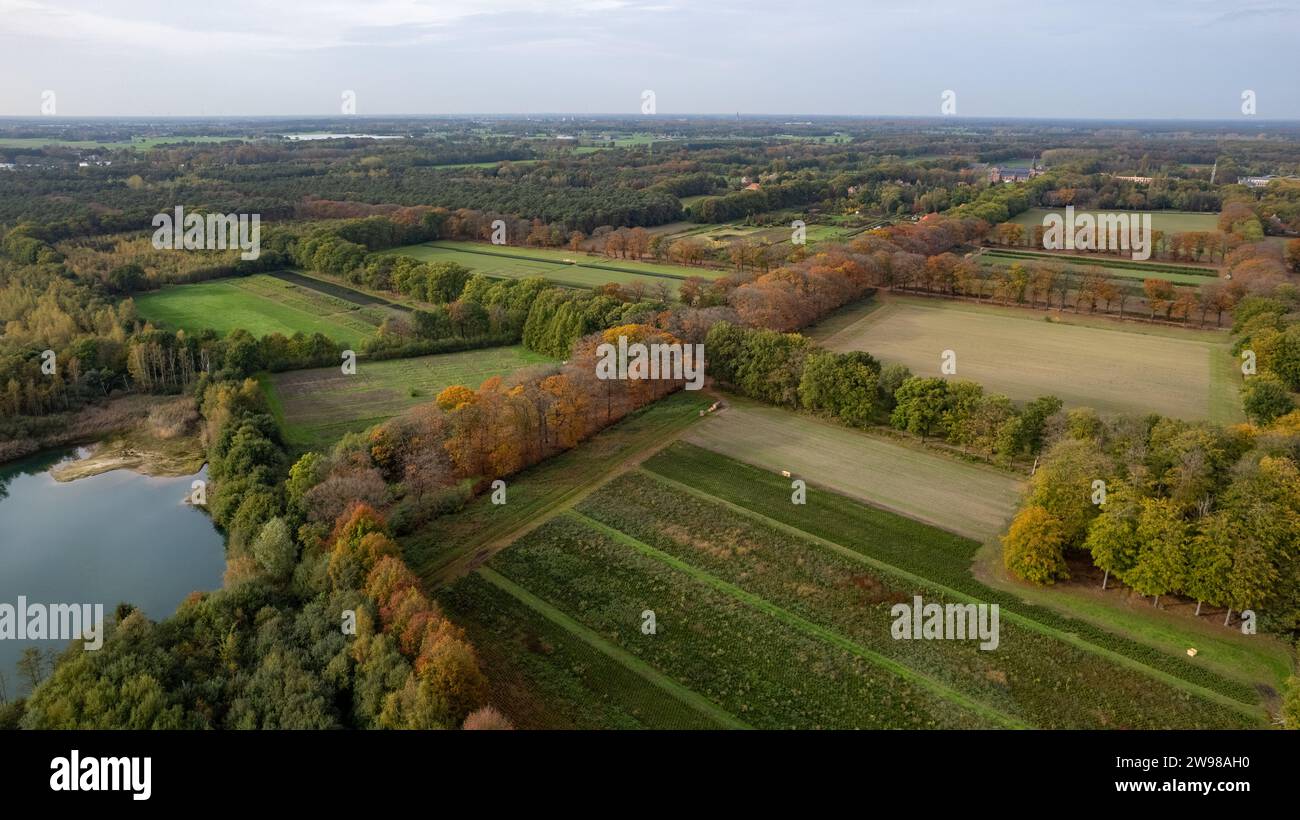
point(1208, 512)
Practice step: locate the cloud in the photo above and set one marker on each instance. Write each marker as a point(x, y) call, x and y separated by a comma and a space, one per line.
point(271, 27)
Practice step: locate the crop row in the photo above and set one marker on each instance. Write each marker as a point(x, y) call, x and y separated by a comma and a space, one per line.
point(763, 671)
point(939, 556)
point(1033, 676)
point(545, 677)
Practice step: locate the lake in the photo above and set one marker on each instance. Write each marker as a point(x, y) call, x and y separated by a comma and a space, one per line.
point(115, 537)
point(324, 136)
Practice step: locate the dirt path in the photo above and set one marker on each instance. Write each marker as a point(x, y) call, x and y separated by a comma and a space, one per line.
point(478, 553)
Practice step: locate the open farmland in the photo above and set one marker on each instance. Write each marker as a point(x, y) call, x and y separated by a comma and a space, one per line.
point(756, 599)
point(138, 143)
point(723, 235)
point(318, 406)
point(571, 268)
point(1166, 221)
point(771, 672)
point(1110, 367)
point(261, 304)
point(965, 498)
point(850, 598)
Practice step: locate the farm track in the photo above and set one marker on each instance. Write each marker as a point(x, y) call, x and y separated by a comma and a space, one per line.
point(472, 554)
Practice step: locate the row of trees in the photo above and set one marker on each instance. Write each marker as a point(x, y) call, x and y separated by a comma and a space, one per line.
point(417, 466)
point(1187, 246)
point(1170, 507)
point(787, 369)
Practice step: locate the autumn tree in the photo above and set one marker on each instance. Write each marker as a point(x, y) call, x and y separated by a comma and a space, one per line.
point(1033, 548)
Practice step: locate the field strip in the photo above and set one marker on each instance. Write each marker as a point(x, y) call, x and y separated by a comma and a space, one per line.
point(1225, 384)
point(289, 304)
point(972, 500)
point(575, 264)
point(808, 627)
point(671, 687)
point(338, 290)
point(1028, 623)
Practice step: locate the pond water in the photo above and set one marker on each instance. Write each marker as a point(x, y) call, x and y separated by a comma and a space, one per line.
point(111, 538)
point(324, 136)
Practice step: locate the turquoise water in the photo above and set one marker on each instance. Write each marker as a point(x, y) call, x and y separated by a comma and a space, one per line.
point(111, 538)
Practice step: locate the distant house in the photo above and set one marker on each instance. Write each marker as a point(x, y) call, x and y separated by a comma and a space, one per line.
point(1256, 182)
point(998, 174)
point(1138, 180)
point(753, 186)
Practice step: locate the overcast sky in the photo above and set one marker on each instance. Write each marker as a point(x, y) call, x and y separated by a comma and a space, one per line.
point(1107, 58)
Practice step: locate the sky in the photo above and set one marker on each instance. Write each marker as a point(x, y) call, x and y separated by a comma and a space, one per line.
point(1129, 59)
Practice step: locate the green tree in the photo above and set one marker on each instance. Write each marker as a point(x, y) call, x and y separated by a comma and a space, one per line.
point(891, 378)
point(1209, 570)
point(1265, 398)
point(919, 406)
point(1063, 485)
point(843, 385)
point(275, 551)
point(1162, 560)
point(1112, 535)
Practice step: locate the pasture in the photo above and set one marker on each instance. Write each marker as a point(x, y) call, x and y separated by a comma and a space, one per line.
point(1108, 366)
point(571, 268)
point(723, 235)
point(1166, 221)
point(316, 407)
point(260, 304)
point(965, 498)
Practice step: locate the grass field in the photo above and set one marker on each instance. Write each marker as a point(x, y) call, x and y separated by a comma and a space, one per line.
point(1166, 221)
point(965, 498)
point(260, 304)
point(723, 235)
point(316, 407)
point(580, 270)
point(1100, 364)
